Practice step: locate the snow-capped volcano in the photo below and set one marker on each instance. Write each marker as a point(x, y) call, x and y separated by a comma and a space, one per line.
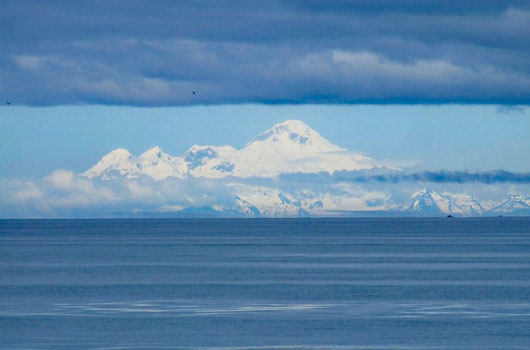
point(296, 134)
point(428, 202)
point(287, 147)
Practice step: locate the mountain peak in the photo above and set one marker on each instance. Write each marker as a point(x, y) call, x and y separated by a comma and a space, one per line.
point(159, 165)
point(292, 125)
point(295, 130)
point(519, 197)
point(154, 152)
point(293, 135)
point(429, 202)
point(424, 200)
point(421, 192)
point(516, 204)
point(118, 153)
point(119, 161)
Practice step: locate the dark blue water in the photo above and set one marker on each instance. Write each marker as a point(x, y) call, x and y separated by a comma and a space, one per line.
point(265, 284)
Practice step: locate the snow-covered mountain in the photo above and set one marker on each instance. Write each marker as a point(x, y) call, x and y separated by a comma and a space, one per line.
point(261, 201)
point(271, 202)
point(153, 163)
point(287, 147)
point(427, 202)
point(160, 165)
point(256, 201)
point(119, 162)
point(265, 203)
point(516, 204)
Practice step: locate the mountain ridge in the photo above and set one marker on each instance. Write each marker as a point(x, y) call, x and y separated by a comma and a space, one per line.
point(427, 201)
point(287, 147)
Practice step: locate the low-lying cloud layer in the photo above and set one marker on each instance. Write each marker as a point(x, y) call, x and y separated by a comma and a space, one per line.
point(66, 194)
point(155, 54)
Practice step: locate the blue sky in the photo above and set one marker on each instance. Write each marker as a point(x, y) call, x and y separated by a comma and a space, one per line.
point(36, 141)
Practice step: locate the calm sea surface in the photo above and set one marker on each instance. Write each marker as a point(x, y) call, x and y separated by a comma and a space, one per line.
point(265, 284)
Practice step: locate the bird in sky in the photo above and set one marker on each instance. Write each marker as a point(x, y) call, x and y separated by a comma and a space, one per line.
point(194, 92)
point(8, 103)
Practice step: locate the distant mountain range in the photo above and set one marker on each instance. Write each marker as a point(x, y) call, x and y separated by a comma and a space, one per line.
point(430, 203)
point(426, 203)
point(287, 147)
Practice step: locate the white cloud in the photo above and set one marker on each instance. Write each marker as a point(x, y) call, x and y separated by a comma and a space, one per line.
point(65, 194)
point(29, 62)
point(138, 191)
point(62, 179)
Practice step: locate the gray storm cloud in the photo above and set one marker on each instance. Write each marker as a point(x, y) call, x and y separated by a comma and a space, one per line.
point(156, 53)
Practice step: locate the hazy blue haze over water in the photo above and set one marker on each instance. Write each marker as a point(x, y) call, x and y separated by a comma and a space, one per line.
point(265, 284)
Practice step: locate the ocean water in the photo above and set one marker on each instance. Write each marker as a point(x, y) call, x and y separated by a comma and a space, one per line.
point(265, 284)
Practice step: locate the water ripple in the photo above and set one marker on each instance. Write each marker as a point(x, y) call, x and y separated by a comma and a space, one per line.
point(176, 308)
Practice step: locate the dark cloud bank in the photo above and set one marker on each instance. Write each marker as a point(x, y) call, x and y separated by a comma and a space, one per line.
point(154, 53)
point(383, 176)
